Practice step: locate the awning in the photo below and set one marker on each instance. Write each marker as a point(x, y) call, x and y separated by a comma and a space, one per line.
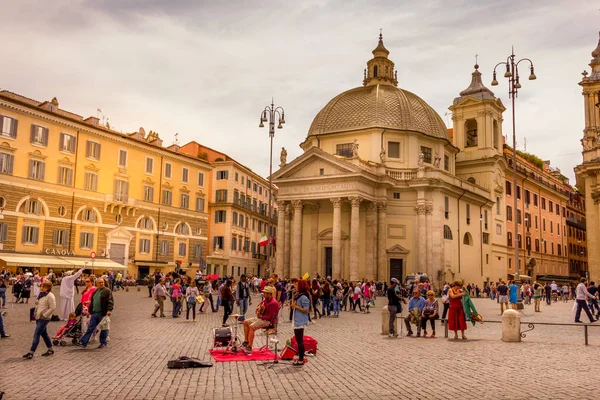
point(103, 263)
point(26, 260)
point(158, 264)
point(556, 278)
point(522, 276)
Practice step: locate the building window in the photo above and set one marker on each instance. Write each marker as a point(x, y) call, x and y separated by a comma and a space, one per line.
point(62, 211)
point(200, 204)
point(220, 215)
point(470, 133)
point(260, 190)
point(167, 197)
point(144, 246)
point(393, 150)
point(396, 195)
point(236, 177)
point(37, 170)
point(182, 229)
point(148, 193)
point(234, 243)
point(67, 142)
point(88, 215)
point(498, 229)
point(486, 238)
point(236, 196)
point(123, 158)
point(508, 188)
point(168, 168)
point(446, 163)
point(200, 179)
point(218, 241)
point(485, 219)
point(221, 196)
point(149, 165)
point(527, 220)
point(86, 240)
point(255, 187)
point(551, 229)
point(91, 181)
point(509, 239)
point(543, 203)
point(39, 135)
point(447, 232)
point(222, 175)
point(535, 200)
point(145, 223)
point(65, 176)
point(468, 214)
point(550, 206)
point(344, 149)
point(33, 206)
point(468, 239)
point(234, 218)
point(518, 192)
point(184, 201)
point(446, 207)
point(537, 245)
point(121, 192)
point(30, 235)
point(536, 221)
point(164, 248)
point(8, 126)
point(527, 197)
point(197, 251)
point(426, 154)
point(182, 249)
point(3, 231)
point(185, 175)
point(60, 237)
point(519, 241)
point(92, 150)
point(6, 163)
point(509, 213)
point(518, 216)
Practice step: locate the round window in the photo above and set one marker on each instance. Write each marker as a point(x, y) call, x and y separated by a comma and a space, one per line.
point(118, 218)
point(62, 211)
point(2, 202)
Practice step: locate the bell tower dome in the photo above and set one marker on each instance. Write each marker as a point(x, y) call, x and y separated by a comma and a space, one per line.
point(380, 69)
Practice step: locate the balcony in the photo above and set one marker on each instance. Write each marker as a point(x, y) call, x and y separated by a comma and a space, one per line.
point(258, 256)
point(401, 175)
point(120, 202)
point(576, 222)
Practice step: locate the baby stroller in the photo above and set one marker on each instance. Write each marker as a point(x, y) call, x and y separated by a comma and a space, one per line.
point(73, 332)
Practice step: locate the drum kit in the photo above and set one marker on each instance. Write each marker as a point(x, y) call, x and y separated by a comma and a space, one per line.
point(225, 337)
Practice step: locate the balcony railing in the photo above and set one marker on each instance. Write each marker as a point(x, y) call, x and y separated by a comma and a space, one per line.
point(401, 175)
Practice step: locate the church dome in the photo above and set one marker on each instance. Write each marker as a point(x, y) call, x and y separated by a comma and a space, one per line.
point(378, 104)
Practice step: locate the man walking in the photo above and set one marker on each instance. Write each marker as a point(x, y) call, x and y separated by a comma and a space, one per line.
point(548, 292)
point(100, 307)
point(593, 303)
point(393, 306)
point(502, 290)
point(582, 295)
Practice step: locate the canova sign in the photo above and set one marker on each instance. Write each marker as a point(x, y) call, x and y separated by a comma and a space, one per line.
point(60, 252)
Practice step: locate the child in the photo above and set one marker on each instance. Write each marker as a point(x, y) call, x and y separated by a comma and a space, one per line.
point(64, 329)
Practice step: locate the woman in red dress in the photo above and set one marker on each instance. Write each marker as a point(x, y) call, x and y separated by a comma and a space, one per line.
point(456, 315)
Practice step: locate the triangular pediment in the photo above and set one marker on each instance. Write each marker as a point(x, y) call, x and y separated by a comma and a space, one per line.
point(397, 249)
point(312, 162)
point(473, 100)
point(119, 233)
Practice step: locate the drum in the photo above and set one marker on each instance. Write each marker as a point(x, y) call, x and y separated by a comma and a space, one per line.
point(222, 336)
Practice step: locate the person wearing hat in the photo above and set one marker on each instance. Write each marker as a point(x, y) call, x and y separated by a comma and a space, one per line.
point(393, 305)
point(266, 315)
point(67, 291)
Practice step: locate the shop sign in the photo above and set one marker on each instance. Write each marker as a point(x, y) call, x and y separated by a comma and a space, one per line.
point(60, 252)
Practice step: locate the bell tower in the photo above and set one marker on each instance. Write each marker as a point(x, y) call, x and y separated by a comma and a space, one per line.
point(380, 69)
point(591, 107)
point(477, 121)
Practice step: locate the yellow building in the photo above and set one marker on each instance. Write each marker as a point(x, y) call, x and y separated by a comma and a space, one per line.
point(238, 207)
point(71, 188)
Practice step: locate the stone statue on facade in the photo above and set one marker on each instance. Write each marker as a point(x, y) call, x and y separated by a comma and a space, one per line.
point(355, 149)
point(421, 159)
point(283, 157)
point(382, 156)
point(436, 160)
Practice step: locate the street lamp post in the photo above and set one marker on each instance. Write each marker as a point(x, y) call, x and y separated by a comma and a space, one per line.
point(512, 73)
point(269, 114)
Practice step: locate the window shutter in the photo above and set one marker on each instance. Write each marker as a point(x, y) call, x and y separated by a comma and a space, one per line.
point(32, 134)
point(82, 240)
point(88, 146)
point(116, 185)
point(62, 142)
point(42, 170)
point(69, 177)
point(126, 191)
point(24, 235)
point(99, 147)
point(9, 161)
point(35, 235)
point(65, 238)
point(45, 132)
point(55, 237)
point(30, 169)
point(13, 128)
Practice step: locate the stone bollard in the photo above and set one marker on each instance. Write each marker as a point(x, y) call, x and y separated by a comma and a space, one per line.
point(385, 322)
point(511, 326)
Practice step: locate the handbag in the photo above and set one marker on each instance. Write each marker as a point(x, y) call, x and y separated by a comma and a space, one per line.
point(199, 299)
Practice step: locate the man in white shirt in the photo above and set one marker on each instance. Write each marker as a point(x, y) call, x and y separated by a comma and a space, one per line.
point(582, 295)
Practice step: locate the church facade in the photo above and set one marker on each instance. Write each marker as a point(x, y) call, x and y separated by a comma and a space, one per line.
point(384, 189)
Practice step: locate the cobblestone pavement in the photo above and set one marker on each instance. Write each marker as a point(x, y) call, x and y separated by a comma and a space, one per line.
point(354, 360)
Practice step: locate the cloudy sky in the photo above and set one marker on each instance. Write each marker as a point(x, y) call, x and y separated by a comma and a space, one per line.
point(205, 69)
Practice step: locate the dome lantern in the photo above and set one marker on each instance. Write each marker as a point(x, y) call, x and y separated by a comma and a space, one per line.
point(380, 69)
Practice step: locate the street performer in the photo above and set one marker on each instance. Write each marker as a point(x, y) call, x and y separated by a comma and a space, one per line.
point(266, 315)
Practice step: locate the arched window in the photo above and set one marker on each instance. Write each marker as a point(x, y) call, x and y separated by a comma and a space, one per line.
point(470, 133)
point(32, 206)
point(471, 180)
point(88, 215)
point(145, 223)
point(375, 71)
point(182, 229)
point(447, 232)
point(468, 239)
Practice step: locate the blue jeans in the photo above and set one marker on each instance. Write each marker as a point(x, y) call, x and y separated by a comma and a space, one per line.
point(94, 321)
point(336, 306)
point(40, 330)
point(326, 306)
point(176, 307)
point(2, 332)
point(3, 297)
point(243, 306)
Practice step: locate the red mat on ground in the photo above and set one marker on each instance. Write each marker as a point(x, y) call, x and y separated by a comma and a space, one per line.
point(257, 355)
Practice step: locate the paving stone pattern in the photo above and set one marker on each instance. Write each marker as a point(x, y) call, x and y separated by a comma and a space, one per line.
point(354, 361)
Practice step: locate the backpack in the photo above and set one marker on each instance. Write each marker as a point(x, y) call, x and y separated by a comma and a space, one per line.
point(191, 299)
point(339, 294)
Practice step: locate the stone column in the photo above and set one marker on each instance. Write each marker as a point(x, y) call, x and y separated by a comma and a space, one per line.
point(355, 238)
point(429, 235)
point(371, 238)
point(314, 241)
point(421, 239)
point(296, 240)
point(286, 248)
point(382, 267)
point(280, 240)
point(336, 262)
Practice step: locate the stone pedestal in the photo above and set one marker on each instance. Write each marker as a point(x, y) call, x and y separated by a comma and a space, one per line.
point(511, 326)
point(385, 322)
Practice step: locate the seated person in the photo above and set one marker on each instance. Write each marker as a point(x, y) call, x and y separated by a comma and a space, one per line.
point(415, 308)
point(65, 328)
point(266, 315)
